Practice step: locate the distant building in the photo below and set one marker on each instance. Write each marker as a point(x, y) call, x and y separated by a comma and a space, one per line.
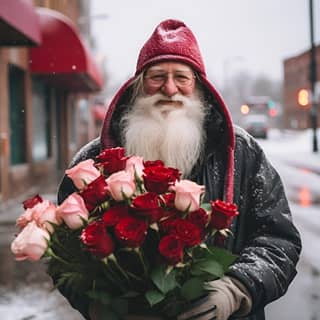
point(48, 80)
point(296, 77)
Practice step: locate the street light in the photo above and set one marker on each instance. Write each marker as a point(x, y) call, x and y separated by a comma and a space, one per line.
point(313, 79)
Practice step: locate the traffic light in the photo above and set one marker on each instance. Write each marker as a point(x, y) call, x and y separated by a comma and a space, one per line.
point(272, 109)
point(304, 97)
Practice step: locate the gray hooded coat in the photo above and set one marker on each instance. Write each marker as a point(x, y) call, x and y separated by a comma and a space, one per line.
point(234, 169)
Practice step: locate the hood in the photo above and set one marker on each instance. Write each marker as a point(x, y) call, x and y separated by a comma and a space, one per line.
point(172, 40)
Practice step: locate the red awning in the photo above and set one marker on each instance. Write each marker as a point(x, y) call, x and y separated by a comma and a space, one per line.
point(19, 23)
point(63, 58)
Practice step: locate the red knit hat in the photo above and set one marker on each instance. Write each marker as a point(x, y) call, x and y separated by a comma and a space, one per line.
point(171, 40)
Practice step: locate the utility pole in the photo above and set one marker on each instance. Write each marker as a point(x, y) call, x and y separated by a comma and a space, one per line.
point(313, 79)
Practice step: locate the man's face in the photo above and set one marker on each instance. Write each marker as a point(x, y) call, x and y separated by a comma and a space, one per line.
point(169, 78)
point(166, 119)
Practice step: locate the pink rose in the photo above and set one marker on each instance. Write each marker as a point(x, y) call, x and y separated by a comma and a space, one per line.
point(31, 243)
point(135, 166)
point(83, 173)
point(43, 213)
point(119, 184)
point(24, 219)
point(72, 210)
point(187, 195)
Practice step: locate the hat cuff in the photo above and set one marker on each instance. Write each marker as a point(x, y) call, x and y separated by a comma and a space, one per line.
point(171, 57)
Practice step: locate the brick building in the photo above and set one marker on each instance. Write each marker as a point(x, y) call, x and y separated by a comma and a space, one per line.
point(48, 81)
point(296, 77)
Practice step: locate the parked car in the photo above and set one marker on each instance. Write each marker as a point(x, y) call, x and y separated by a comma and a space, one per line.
point(257, 125)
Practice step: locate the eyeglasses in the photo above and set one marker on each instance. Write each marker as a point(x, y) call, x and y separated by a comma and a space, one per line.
point(182, 79)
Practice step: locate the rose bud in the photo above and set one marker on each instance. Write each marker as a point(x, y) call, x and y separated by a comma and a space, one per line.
point(147, 205)
point(31, 243)
point(43, 213)
point(73, 211)
point(120, 185)
point(171, 248)
point(199, 217)
point(114, 214)
point(187, 195)
point(96, 238)
point(188, 233)
point(31, 202)
point(83, 173)
point(222, 214)
point(95, 193)
point(112, 160)
point(159, 178)
point(135, 166)
point(131, 231)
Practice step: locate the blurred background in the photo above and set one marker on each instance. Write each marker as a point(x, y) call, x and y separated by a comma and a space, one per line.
point(62, 61)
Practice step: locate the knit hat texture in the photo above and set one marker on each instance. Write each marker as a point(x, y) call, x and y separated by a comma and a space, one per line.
point(171, 40)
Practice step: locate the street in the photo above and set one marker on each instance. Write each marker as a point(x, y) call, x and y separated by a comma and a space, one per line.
point(26, 291)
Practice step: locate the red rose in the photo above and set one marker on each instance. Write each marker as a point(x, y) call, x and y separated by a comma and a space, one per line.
point(189, 233)
point(167, 199)
point(31, 202)
point(199, 217)
point(113, 215)
point(147, 205)
point(131, 231)
point(153, 163)
point(167, 225)
point(171, 248)
point(95, 193)
point(158, 178)
point(222, 214)
point(96, 238)
point(112, 160)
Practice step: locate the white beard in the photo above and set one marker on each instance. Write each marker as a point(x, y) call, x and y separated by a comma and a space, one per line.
point(174, 135)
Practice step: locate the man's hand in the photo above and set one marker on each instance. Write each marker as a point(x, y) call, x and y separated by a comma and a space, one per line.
point(227, 297)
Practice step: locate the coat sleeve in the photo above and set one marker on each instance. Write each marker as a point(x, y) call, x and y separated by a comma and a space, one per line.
point(271, 246)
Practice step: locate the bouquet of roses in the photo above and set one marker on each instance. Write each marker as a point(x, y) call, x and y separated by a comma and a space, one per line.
point(133, 236)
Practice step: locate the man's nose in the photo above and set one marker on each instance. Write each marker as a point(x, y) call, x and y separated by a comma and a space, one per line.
point(169, 88)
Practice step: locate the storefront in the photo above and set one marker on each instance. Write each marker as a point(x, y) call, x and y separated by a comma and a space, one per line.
point(44, 94)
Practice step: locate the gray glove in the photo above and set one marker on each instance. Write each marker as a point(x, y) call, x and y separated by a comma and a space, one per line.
point(228, 296)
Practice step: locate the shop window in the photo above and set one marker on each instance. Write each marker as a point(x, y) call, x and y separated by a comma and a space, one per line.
point(17, 115)
point(41, 121)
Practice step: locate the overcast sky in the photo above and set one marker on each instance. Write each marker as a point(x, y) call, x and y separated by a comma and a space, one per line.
point(234, 35)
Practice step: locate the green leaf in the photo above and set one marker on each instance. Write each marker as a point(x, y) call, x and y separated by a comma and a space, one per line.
point(222, 256)
point(163, 280)
point(206, 206)
point(154, 297)
point(207, 266)
point(192, 289)
point(102, 297)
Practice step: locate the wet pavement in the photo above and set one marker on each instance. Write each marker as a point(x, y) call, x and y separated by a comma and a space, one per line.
point(26, 291)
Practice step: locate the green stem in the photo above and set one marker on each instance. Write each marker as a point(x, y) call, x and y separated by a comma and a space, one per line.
point(52, 254)
point(140, 255)
point(112, 258)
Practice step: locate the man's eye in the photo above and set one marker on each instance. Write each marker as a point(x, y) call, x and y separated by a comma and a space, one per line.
point(182, 78)
point(157, 77)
